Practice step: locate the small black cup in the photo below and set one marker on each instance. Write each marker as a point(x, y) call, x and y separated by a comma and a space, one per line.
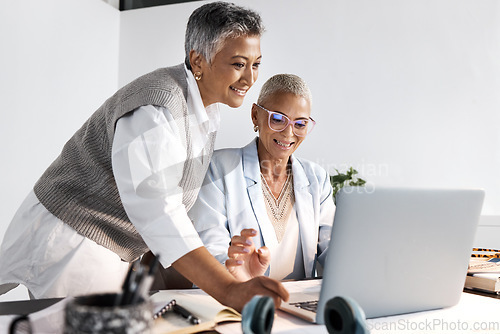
point(98, 314)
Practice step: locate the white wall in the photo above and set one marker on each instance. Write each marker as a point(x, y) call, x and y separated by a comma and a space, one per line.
point(59, 62)
point(404, 91)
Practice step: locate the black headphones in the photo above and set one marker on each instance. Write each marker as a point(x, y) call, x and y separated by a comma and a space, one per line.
point(258, 315)
point(343, 315)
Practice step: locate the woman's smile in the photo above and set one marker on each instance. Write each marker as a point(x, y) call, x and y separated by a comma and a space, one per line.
point(240, 92)
point(284, 145)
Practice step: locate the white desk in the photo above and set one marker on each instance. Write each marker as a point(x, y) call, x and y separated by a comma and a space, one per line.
point(472, 310)
point(473, 314)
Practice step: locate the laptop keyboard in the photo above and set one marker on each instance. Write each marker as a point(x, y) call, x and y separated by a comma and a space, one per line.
point(309, 305)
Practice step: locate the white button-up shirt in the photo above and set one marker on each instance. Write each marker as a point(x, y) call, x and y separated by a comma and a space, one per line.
point(148, 143)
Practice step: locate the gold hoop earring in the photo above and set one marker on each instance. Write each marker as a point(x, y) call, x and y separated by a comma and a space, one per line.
point(255, 128)
point(197, 76)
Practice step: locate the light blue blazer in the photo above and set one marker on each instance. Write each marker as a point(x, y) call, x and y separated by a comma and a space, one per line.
point(231, 199)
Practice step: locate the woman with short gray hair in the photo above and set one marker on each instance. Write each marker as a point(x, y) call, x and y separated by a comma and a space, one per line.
point(125, 180)
point(209, 26)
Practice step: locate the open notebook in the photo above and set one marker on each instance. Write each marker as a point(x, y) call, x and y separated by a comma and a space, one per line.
point(395, 250)
point(209, 312)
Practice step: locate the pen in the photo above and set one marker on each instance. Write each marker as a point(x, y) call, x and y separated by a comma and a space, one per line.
point(126, 283)
point(137, 283)
point(186, 314)
point(131, 296)
point(146, 281)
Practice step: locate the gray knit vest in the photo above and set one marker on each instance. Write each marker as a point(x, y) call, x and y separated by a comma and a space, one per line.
point(79, 187)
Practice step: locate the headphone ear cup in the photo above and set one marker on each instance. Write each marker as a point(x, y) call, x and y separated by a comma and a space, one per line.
point(258, 315)
point(343, 315)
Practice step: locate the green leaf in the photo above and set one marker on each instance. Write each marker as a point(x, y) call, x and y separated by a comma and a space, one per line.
point(342, 179)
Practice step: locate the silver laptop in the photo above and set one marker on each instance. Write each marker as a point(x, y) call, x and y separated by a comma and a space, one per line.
point(396, 250)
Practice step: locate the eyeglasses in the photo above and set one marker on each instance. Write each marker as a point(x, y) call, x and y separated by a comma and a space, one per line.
point(279, 122)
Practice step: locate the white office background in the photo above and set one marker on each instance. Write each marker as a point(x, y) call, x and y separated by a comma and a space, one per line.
point(406, 92)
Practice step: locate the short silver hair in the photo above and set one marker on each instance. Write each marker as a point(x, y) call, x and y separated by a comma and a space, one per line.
point(211, 24)
point(284, 84)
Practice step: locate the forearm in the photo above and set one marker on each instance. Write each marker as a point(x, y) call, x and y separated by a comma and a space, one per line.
point(201, 268)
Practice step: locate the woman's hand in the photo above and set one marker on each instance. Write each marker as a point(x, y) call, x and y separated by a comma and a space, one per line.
point(239, 294)
point(201, 268)
point(246, 262)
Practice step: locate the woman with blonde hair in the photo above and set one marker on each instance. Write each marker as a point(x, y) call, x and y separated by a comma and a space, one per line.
point(273, 209)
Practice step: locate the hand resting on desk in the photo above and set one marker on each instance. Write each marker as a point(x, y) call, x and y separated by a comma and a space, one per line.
point(220, 284)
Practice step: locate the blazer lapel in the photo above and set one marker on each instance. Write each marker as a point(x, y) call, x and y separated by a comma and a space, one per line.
point(305, 214)
point(251, 171)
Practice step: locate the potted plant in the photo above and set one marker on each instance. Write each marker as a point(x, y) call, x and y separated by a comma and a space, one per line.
point(348, 179)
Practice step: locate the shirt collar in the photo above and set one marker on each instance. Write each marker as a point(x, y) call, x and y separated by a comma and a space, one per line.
point(210, 113)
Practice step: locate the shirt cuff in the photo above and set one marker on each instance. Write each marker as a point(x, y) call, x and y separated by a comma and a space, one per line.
point(171, 236)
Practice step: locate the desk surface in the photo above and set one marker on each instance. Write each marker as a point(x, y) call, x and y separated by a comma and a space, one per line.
point(474, 309)
point(474, 313)
point(23, 307)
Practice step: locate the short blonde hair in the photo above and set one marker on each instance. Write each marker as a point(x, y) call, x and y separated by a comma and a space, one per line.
point(284, 83)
